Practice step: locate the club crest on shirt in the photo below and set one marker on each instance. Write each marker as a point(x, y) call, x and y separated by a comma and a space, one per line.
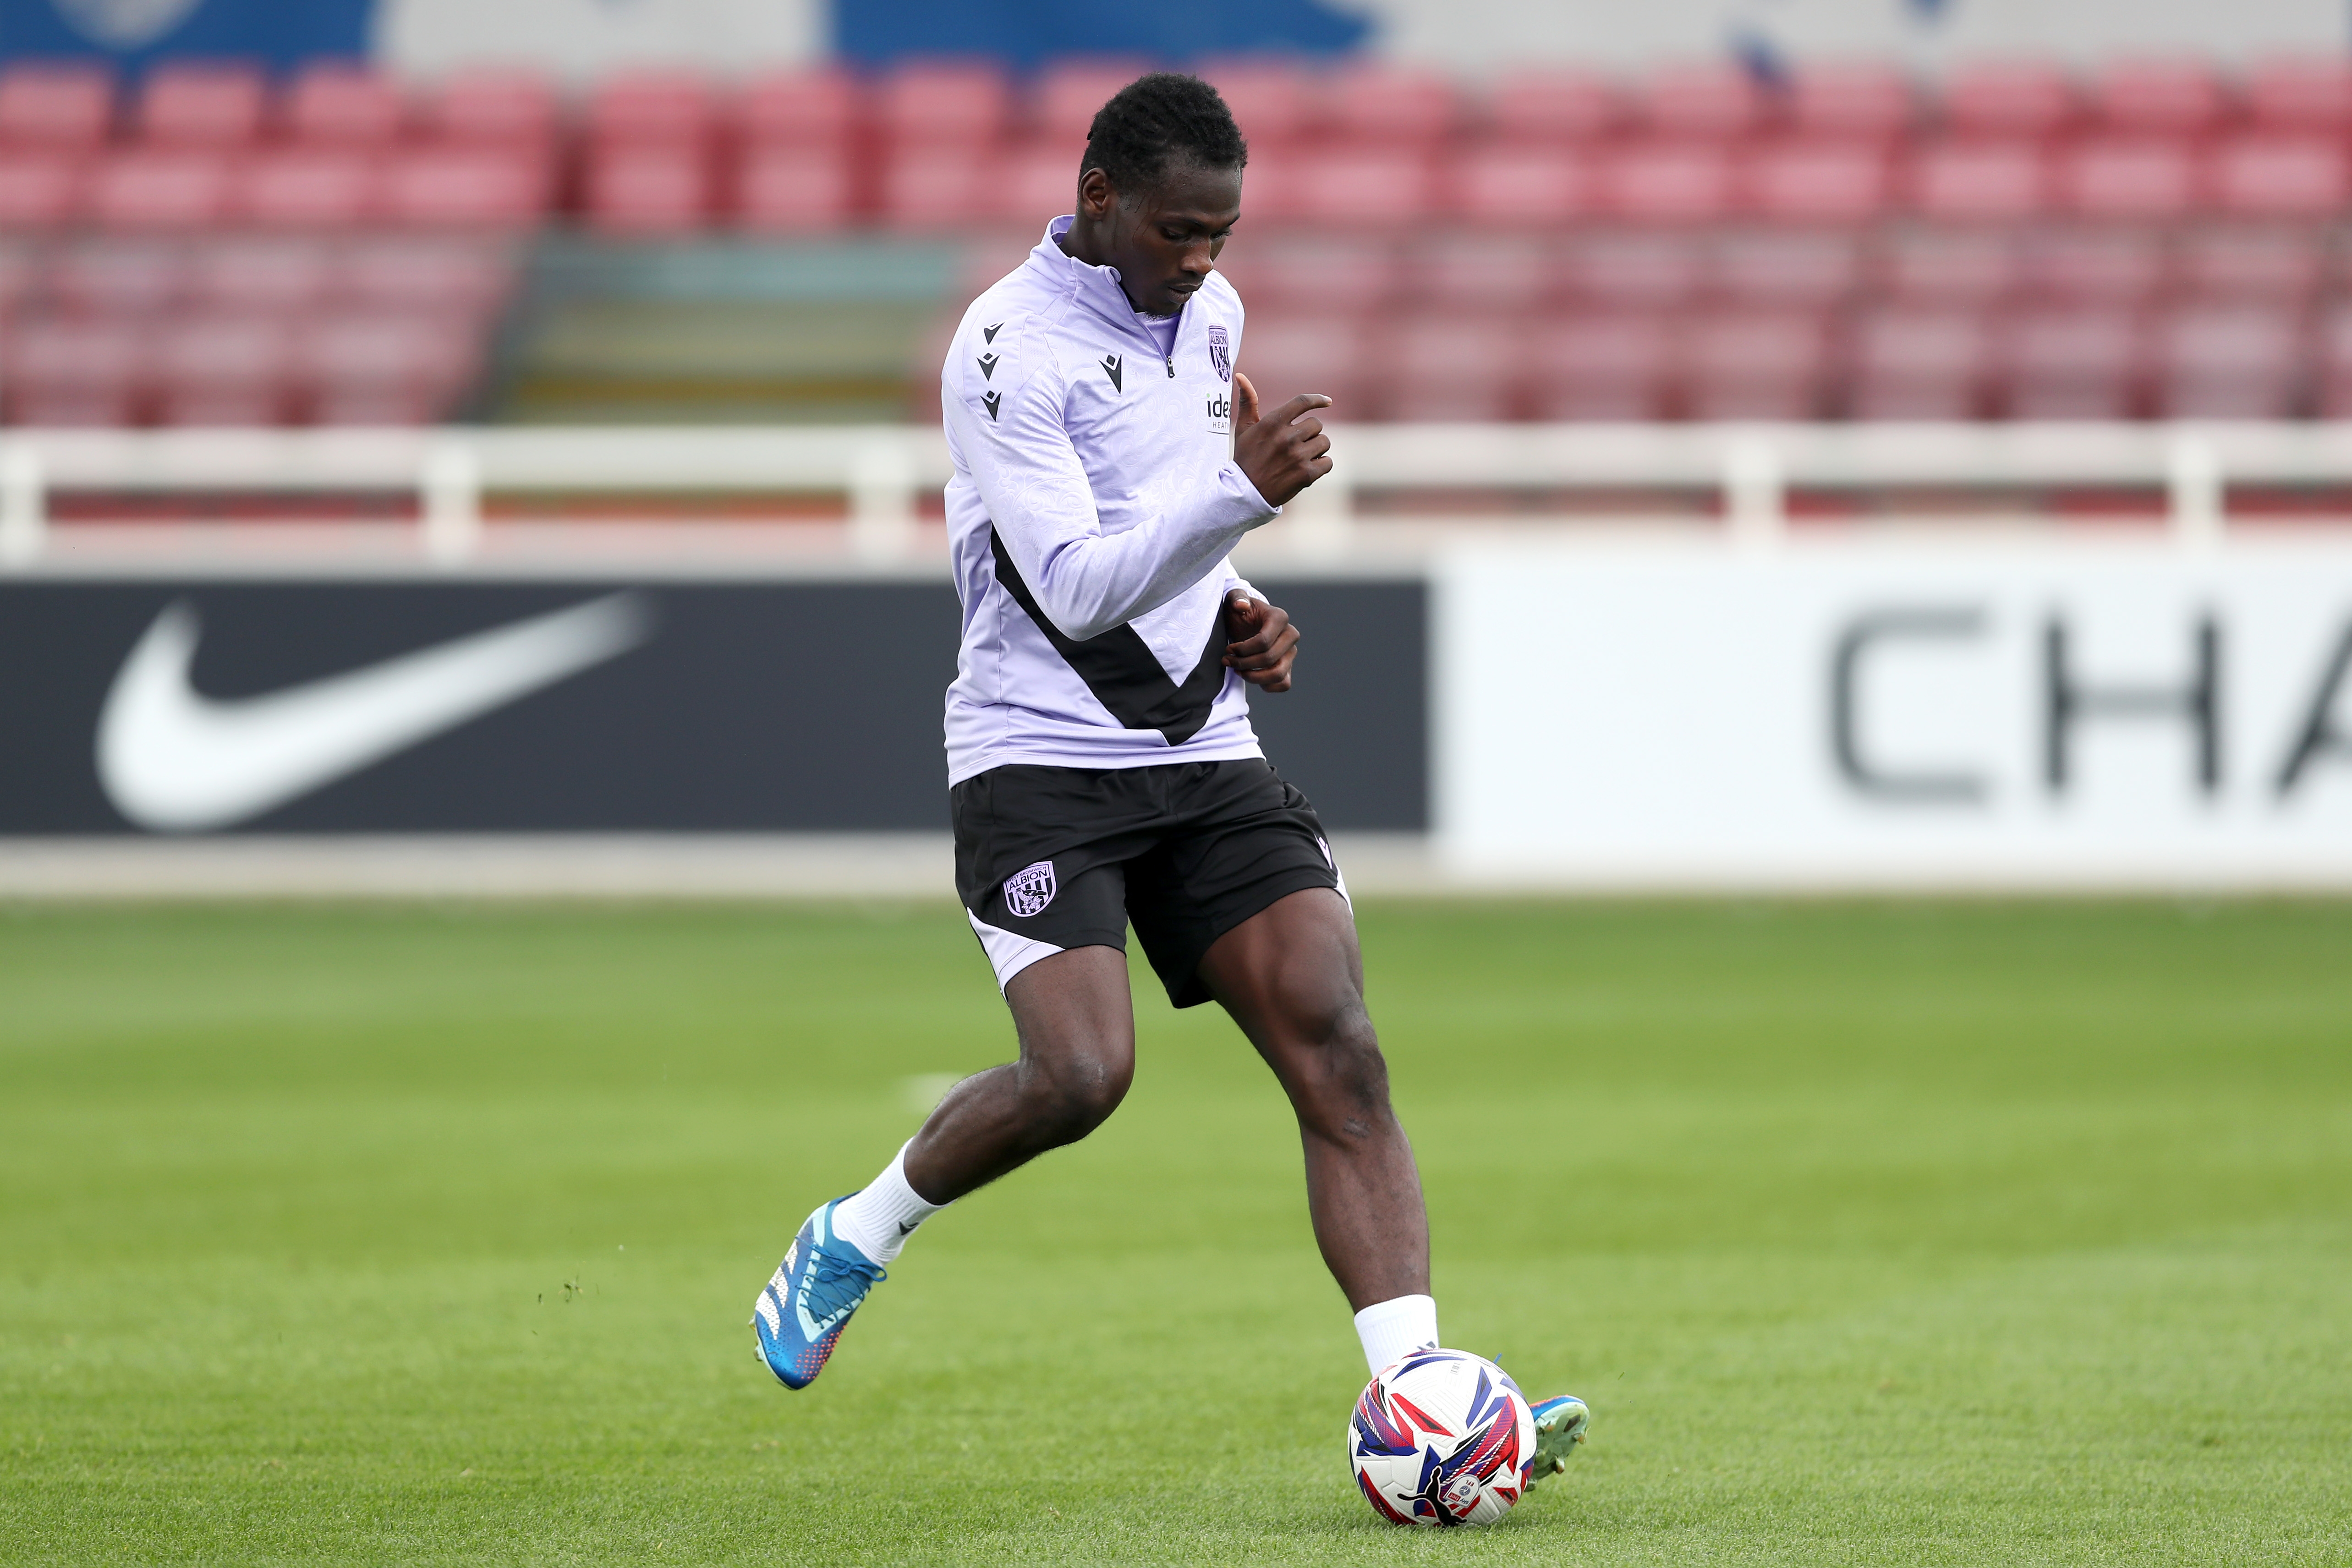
point(1028, 890)
point(1220, 354)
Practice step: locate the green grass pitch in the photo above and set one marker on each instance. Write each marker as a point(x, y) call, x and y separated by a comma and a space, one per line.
point(1874, 1233)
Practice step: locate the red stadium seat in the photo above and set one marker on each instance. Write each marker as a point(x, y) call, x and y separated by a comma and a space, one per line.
point(20, 276)
point(199, 105)
point(1362, 187)
point(2279, 265)
point(1035, 182)
point(1323, 274)
point(1952, 266)
point(1072, 90)
point(305, 187)
point(962, 104)
point(2335, 352)
point(1456, 272)
point(1273, 100)
point(1815, 270)
point(119, 279)
point(1918, 364)
point(2279, 176)
point(495, 105)
point(485, 186)
point(1611, 365)
point(1855, 100)
point(2141, 177)
point(1284, 355)
point(1452, 367)
point(286, 276)
point(2096, 265)
point(639, 107)
point(2080, 362)
point(446, 278)
point(1701, 100)
point(223, 370)
point(2009, 99)
point(395, 369)
point(65, 108)
point(88, 371)
point(926, 187)
point(1756, 365)
point(1554, 105)
point(336, 105)
point(1842, 181)
point(1981, 182)
point(2302, 93)
point(39, 190)
point(155, 189)
point(799, 109)
point(1667, 182)
point(793, 188)
point(2159, 97)
point(1521, 185)
point(1639, 272)
point(2229, 362)
point(650, 188)
point(1392, 106)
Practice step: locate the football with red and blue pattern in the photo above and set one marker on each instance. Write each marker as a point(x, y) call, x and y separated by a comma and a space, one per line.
point(1442, 1437)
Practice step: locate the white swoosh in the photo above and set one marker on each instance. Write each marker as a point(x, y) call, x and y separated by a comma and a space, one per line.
point(172, 759)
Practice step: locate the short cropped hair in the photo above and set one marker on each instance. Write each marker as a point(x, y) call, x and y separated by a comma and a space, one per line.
point(1156, 121)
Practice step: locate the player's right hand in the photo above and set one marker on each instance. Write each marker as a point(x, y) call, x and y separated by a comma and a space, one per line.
point(1285, 452)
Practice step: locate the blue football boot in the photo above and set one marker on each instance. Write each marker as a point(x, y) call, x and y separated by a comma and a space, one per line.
point(1560, 1427)
point(800, 1316)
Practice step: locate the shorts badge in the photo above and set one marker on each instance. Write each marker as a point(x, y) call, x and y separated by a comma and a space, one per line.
point(1220, 354)
point(1028, 890)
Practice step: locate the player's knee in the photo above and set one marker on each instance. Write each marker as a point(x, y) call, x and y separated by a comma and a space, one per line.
point(1347, 1086)
point(1075, 1096)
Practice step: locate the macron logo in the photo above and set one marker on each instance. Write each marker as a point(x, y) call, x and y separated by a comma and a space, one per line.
point(173, 759)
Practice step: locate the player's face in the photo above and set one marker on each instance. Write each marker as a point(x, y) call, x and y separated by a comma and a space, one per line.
point(1165, 241)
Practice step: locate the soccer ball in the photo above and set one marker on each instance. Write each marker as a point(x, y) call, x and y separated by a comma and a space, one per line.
point(1442, 1437)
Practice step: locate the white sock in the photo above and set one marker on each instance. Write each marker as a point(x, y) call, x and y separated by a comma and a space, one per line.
point(878, 1220)
point(1393, 1328)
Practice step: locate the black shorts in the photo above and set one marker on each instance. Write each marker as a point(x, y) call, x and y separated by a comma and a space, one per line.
point(1052, 858)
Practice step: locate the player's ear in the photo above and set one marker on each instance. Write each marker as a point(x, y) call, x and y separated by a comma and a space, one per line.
point(1096, 198)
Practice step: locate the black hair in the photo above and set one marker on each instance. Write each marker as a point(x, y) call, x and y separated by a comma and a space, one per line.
point(1158, 120)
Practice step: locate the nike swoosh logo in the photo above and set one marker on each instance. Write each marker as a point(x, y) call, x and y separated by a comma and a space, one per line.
point(173, 759)
point(904, 1228)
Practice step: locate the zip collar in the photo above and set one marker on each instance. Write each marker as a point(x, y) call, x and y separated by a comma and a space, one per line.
point(1098, 289)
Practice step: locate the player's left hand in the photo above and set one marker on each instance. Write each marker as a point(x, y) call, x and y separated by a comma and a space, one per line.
point(1264, 642)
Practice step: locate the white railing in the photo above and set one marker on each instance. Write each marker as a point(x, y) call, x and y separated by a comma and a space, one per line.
point(883, 471)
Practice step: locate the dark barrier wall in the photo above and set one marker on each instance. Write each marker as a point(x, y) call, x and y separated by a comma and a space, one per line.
point(695, 706)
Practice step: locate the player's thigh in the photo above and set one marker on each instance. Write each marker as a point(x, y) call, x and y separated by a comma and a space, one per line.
point(1291, 975)
point(1076, 1019)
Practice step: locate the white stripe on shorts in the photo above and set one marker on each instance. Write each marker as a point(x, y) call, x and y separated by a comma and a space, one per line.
point(1008, 952)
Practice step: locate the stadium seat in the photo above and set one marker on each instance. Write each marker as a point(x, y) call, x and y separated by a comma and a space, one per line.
point(200, 105)
point(1362, 187)
point(1754, 365)
point(648, 189)
point(305, 187)
point(119, 277)
point(446, 278)
point(88, 371)
point(1319, 274)
point(1667, 182)
point(1457, 272)
point(223, 370)
point(2229, 362)
point(286, 276)
point(2305, 93)
point(390, 369)
point(39, 191)
point(2272, 175)
point(1519, 184)
point(2241, 262)
point(1553, 106)
point(1607, 365)
point(2095, 266)
point(637, 107)
point(1951, 267)
point(1978, 182)
point(1381, 105)
point(2009, 99)
point(959, 104)
point(1288, 354)
point(332, 104)
point(2160, 96)
point(1632, 271)
point(1817, 182)
point(1273, 100)
point(2335, 368)
point(1918, 364)
point(1860, 101)
point(928, 186)
point(498, 186)
point(2146, 178)
point(799, 109)
point(1814, 270)
point(494, 105)
point(1451, 366)
point(2069, 363)
point(154, 189)
point(61, 108)
point(793, 188)
point(1034, 182)
point(1700, 99)
point(1071, 90)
